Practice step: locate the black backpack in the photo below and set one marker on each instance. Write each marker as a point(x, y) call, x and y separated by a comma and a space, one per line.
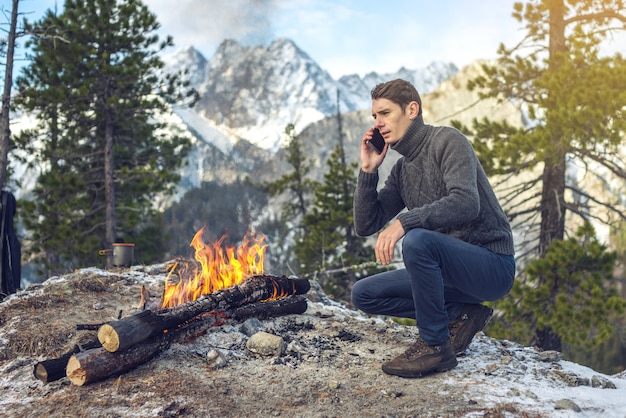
point(11, 268)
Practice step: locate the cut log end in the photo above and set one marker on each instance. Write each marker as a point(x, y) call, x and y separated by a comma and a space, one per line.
point(301, 286)
point(41, 373)
point(76, 374)
point(98, 364)
point(108, 337)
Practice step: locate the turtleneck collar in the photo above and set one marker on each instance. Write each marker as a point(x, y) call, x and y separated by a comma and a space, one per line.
point(413, 138)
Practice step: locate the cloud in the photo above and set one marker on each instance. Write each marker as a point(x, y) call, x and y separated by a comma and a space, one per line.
point(351, 36)
point(206, 23)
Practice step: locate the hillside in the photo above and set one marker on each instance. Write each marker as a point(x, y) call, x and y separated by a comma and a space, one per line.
point(329, 365)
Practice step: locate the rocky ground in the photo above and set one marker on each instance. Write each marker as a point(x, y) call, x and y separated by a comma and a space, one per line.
point(322, 363)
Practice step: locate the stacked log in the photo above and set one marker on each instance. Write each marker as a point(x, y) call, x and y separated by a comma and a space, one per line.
point(98, 364)
point(129, 342)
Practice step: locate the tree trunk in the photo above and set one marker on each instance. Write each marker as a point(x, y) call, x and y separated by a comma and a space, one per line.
point(553, 192)
point(5, 129)
point(109, 187)
point(552, 204)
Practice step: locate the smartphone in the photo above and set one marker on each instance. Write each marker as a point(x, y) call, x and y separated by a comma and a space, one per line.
point(377, 143)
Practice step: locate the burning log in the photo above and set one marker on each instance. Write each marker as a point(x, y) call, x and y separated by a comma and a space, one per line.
point(124, 333)
point(98, 364)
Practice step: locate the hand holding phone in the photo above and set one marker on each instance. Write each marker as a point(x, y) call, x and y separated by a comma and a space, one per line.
point(377, 143)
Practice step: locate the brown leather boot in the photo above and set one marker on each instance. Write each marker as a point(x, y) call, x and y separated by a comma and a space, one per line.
point(473, 318)
point(422, 359)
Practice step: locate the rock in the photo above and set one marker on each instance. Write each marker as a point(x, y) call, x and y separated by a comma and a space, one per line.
point(330, 367)
point(571, 379)
point(550, 356)
point(216, 360)
point(266, 344)
point(250, 327)
point(601, 382)
point(567, 404)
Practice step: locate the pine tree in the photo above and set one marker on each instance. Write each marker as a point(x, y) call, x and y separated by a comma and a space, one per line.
point(295, 190)
point(566, 291)
point(330, 250)
point(575, 100)
point(295, 186)
point(103, 158)
point(330, 243)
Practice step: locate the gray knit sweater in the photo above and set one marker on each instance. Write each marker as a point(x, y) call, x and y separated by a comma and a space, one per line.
point(441, 183)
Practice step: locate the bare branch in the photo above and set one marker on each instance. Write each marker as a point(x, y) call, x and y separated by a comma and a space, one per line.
point(605, 14)
point(575, 207)
point(614, 167)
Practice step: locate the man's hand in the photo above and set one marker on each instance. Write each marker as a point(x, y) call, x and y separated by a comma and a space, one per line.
point(387, 240)
point(370, 161)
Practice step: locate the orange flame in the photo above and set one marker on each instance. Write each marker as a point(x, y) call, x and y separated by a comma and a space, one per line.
point(217, 269)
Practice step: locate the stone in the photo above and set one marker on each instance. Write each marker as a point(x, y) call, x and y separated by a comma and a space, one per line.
point(266, 344)
point(602, 382)
point(216, 360)
point(567, 404)
point(550, 356)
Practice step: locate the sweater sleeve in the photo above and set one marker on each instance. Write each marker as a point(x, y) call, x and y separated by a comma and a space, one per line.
point(372, 210)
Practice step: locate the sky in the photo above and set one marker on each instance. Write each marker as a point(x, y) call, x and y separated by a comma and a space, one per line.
point(342, 36)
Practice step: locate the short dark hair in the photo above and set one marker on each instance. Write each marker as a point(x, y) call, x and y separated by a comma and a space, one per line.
point(398, 91)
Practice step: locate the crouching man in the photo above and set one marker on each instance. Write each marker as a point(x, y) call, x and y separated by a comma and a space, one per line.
point(457, 243)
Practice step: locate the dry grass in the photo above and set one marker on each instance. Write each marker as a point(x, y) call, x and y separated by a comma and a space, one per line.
point(45, 322)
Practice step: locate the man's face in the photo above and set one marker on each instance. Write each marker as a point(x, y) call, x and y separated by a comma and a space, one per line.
point(391, 120)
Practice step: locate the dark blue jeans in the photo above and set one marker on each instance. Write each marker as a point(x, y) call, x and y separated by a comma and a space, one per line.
point(442, 274)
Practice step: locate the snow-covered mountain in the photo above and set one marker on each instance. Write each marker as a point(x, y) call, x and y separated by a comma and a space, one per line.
point(425, 79)
point(253, 93)
point(248, 95)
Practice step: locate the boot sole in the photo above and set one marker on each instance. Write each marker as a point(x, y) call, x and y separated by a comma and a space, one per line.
point(443, 367)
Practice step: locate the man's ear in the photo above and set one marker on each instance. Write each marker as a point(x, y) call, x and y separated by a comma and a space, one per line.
point(413, 109)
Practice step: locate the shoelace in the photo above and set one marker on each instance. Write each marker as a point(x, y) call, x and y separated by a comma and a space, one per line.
point(457, 324)
point(418, 347)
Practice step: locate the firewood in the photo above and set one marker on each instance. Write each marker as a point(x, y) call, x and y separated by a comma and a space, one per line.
point(98, 364)
point(271, 309)
point(54, 369)
point(124, 333)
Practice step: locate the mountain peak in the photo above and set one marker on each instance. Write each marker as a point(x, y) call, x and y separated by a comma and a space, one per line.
point(189, 60)
point(280, 43)
point(254, 92)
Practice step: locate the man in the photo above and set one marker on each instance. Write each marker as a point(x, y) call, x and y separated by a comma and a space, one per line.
point(457, 243)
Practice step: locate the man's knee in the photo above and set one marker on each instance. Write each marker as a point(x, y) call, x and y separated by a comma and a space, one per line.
point(357, 296)
point(416, 241)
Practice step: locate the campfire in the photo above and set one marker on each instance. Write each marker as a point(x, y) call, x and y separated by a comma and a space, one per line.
point(216, 269)
point(219, 284)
